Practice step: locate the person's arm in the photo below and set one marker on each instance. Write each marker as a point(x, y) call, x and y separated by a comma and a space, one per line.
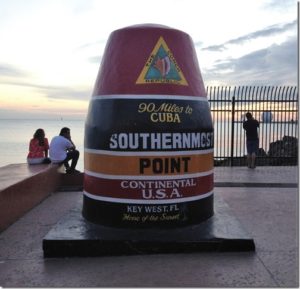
point(31, 145)
point(70, 145)
point(74, 147)
point(46, 147)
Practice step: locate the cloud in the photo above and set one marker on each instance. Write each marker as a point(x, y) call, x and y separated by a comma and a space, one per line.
point(7, 70)
point(274, 65)
point(198, 43)
point(68, 93)
point(91, 44)
point(95, 59)
point(51, 92)
point(63, 92)
point(42, 113)
point(11, 75)
point(266, 32)
point(220, 47)
point(279, 4)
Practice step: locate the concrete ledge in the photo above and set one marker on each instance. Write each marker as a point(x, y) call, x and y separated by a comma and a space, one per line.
point(71, 182)
point(24, 186)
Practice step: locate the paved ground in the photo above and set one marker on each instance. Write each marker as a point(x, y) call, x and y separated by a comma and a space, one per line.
point(260, 175)
point(269, 214)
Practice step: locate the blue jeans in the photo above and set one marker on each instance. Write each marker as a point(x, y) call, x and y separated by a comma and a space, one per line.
point(71, 155)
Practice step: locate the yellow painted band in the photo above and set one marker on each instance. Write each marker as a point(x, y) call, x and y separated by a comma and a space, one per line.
point(148, 165)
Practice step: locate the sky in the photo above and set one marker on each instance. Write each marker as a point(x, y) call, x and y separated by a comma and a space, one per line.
point(50, 51)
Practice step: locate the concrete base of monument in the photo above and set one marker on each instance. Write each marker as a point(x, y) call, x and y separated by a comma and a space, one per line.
point(74, 236)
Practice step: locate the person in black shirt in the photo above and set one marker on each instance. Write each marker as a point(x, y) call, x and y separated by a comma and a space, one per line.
point(250, 126)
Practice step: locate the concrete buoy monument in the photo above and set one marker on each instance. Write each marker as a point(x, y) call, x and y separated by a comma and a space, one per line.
point(148, 136)
point(148, 156)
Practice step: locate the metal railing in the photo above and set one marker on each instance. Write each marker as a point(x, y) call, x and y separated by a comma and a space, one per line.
point(276, 109)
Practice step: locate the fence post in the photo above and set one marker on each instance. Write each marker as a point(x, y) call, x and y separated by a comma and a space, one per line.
point(232, 130)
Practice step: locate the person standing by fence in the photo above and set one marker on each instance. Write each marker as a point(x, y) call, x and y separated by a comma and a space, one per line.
point(250, 126)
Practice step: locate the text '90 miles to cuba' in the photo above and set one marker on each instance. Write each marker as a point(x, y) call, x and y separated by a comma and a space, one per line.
point(165, 112)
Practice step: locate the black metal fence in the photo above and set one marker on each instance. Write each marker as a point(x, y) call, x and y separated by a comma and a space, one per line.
point(276, 109)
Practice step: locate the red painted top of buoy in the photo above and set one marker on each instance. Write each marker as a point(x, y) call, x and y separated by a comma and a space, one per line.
point(126, 64)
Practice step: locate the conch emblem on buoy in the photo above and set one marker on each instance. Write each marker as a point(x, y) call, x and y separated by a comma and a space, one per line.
point(161, 67)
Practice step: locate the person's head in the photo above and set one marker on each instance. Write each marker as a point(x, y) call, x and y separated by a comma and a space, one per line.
point(40, 136)
point(65, 131)
point(39, 133)
point(249, 115)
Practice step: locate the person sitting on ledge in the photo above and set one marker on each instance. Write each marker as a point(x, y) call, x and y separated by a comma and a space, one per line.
point(38, 149)
point(62, 150)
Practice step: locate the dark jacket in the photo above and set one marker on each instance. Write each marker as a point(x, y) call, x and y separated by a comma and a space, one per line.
point(251, 126)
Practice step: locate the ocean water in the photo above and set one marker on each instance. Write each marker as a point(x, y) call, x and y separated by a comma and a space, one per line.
point(15, 135)
point(268, 133)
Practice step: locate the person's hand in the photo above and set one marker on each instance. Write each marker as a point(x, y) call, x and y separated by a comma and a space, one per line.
point(74, 147)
